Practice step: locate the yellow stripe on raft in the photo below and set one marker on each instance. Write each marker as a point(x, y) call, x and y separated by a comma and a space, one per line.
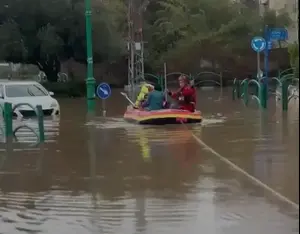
point(182, 116)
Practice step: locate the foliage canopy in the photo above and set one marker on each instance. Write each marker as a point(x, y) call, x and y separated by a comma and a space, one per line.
point(47, 32)
point(215, 29)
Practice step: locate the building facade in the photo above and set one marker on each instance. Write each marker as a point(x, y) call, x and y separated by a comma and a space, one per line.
point(291, 7)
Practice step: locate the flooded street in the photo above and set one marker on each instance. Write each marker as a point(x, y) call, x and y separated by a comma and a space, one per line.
point(104, 175)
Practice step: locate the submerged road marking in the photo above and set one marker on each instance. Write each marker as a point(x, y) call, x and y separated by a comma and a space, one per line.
point(252, 178)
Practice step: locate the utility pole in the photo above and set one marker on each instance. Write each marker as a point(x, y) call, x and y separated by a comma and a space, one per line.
point(130, 46)
point(90, 81)
point(135, 42)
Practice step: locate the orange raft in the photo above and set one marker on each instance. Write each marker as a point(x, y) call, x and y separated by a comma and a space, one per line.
point(161, 117)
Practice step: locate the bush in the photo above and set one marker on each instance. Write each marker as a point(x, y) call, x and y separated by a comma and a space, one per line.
point(294, 57)
point(67, 89)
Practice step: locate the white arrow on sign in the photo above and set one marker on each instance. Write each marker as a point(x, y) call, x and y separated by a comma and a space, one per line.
point(104, 91)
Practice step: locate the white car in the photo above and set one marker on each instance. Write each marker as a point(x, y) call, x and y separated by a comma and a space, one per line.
point(30, 92)
point(293, 92)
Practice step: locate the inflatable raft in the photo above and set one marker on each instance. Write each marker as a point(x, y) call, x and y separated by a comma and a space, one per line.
point(161, 117)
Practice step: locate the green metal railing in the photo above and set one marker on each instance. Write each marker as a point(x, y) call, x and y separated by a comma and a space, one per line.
point(240, 89)
point(157, 79)
point(10, 132)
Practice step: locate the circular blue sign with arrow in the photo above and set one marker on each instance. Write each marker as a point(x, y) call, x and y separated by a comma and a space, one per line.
point(258, 44)
point(103, 91)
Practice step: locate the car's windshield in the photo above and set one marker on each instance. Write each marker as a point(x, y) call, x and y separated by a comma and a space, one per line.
point(24, 90)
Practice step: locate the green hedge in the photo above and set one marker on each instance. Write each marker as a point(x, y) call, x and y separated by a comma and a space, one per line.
point(294, 57)
point(68, 89)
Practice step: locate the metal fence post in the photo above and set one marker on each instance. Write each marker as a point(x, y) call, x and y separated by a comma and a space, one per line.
point(238, 89)
point(245, 91)
point(284, 95)
point(40, 116)
point(8, 115)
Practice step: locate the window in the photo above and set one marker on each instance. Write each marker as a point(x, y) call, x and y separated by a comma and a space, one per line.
point(27, 90)
point(295, 6)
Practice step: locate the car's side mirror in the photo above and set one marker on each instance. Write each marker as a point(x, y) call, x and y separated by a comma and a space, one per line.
point(51, 93)
point(1, 96)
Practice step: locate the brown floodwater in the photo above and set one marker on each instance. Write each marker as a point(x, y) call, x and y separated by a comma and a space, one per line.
point(104, 175)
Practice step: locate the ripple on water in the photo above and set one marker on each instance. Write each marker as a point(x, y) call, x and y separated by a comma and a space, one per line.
point(155, 134)
point(114, 123)
point(212, 204)
point(111, 123)
point(26, 135)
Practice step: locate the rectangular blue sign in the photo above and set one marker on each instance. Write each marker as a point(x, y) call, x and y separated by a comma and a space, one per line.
point(269, 45)
point(279, 34)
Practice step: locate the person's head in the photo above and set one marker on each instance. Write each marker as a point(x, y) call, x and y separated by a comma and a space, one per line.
point(157, 87)
point(150, 87)
point(147, 88)
point(183, 80)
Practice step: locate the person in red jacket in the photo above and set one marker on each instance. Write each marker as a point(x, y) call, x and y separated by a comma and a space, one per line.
point(185, 96)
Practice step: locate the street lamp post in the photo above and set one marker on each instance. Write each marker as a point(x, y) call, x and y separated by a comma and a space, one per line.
point(90, 81)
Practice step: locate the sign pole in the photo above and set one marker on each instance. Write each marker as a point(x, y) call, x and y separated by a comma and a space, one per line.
point(266, 52)
point(266, 64)
point(103, 108)
point(259, 44)
point(258, 65)
point(264, 44)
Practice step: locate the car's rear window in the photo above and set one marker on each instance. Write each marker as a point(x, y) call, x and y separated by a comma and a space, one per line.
point(24, 90)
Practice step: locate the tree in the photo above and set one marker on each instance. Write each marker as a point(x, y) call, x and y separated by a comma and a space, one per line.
point(47, 32)
point(220, 30)
point(294, 58)
point(51, 31)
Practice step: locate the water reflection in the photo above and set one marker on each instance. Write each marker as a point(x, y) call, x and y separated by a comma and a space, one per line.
point(145, 178)
point(24, 154)
point(176, 140)
point(270, 158)
point(25, 135)
point(132, 172)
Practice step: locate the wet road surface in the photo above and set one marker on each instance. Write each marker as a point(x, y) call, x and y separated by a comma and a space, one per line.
point(108, 176)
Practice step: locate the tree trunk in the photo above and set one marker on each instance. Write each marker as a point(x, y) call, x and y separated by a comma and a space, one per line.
point(51, 74)
point(51, 67)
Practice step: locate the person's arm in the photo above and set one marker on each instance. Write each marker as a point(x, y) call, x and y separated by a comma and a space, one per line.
point(140, 97)
point(187, 92)
point(174, 95)
point(147, 102)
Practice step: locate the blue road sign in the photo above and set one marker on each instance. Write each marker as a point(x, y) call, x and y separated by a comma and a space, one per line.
point(103, 91)
point(279, 34)
point(258, 44)
point(270, 45)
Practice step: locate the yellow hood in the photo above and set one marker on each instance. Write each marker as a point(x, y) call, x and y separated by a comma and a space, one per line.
point(144, 89)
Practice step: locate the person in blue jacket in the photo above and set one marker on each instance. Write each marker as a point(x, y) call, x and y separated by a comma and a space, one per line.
point(155, 100)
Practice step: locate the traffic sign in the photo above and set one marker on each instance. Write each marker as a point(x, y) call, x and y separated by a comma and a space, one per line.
point(103, 91)
point(270, 45)
point(279, 34)
point(258, 44)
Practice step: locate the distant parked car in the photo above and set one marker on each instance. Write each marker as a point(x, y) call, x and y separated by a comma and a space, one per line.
point(30, 92)
point(293, 92)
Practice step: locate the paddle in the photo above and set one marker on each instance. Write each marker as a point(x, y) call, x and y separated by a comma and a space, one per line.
point(128, 99)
